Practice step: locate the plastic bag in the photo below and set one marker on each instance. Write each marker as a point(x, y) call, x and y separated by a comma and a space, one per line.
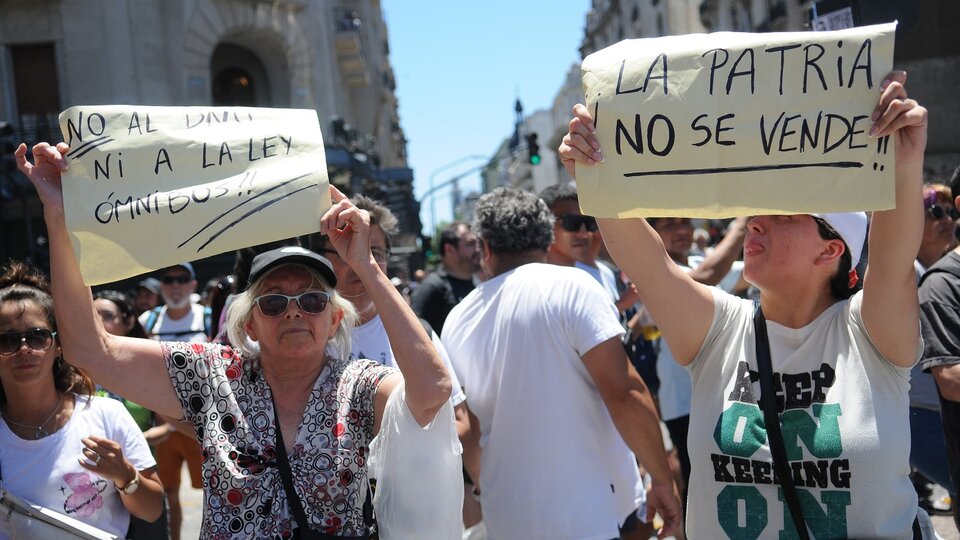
point(418, 470)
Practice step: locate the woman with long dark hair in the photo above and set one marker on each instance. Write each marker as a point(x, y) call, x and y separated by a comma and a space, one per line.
point(61, 447)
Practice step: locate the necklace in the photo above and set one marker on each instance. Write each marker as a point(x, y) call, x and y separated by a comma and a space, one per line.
point(40, 432)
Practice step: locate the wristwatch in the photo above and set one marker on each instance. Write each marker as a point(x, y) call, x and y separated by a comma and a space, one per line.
point(131, 486)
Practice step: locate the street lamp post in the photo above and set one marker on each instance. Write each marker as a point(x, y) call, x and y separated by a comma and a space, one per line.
point(431, 189)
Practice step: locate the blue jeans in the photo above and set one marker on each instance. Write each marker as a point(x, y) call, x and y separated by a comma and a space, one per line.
point(928, 451)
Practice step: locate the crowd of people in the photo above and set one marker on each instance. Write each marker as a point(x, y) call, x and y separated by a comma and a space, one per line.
point(606, 376)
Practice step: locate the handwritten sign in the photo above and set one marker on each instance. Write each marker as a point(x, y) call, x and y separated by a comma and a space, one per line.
point(728, 124)
point(149, 187)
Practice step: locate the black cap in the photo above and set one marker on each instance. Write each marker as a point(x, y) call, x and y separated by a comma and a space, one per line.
point(268, 260)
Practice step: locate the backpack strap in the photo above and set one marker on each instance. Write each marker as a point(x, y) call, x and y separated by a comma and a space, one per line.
point(152, 319)
point(208, 322)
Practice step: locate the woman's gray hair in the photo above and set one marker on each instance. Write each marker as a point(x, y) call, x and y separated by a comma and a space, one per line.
point(511, 220)
point(241, 310)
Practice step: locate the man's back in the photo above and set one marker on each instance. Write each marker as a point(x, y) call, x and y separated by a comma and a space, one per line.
point(554, 465)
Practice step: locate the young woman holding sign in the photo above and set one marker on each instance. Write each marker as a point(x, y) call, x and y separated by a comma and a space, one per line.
point(285, 429)
point(841, 361)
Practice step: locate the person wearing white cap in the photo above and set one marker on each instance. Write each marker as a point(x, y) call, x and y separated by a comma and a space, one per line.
point(840, 358)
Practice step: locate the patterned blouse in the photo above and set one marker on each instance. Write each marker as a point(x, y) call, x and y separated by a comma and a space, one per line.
point(229, 403)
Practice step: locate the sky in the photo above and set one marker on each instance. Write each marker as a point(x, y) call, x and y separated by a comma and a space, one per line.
point(459, 68)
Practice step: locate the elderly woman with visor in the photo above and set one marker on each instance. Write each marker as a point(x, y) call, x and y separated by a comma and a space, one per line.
point(298, 395)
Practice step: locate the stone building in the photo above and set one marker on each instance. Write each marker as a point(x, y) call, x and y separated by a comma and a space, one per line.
point(331, 56)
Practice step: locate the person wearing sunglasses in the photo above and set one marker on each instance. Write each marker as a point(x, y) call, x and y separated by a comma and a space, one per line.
point(61, 447)
point(928, 452)
point(296, 402)
point(940, 326)
point(842, 357)
point(572, 231)
point(939, 226)
point(116, 311)
point(180, 318)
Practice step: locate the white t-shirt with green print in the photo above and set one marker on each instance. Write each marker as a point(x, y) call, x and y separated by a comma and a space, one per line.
point(843, 414)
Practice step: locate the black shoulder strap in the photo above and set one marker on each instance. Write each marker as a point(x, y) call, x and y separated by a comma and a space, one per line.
point(304, 532)
point(771, 420)
point(293, 501)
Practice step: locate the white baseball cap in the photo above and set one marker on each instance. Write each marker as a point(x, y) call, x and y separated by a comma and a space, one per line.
point(852, 227)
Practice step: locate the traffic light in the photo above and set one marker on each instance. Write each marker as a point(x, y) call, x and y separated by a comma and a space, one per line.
point(533, 149)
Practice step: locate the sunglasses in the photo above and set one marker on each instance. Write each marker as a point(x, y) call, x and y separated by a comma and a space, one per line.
point(170, 280)
point(310, 302)
point(573, 222)
point(38, 339)
point(937, 212)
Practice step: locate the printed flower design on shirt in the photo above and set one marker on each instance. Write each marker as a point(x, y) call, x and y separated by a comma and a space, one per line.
point(84, 498)
point(229, 402)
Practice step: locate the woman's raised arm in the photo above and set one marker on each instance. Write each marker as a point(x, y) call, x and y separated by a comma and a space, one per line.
point(426, 380)
point(890, 308)
point(682, 307)
point(131, 367)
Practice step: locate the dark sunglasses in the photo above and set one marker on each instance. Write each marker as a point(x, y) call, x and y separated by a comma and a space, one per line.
point(38, 339)
point(573, 222)
point(310, 302)
point(170, 280)
point(939, 212)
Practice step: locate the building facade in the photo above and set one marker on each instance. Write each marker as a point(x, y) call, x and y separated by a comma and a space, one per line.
point(331, 56)
point(607, 22)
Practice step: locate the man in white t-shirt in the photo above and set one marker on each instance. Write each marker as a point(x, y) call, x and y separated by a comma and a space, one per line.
point(577, 242)
point(560, 411)
point(179, 319)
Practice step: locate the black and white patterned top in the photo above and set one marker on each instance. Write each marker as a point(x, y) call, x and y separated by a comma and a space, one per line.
point(229, 403)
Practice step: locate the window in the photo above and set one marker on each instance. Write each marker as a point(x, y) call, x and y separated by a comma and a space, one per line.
point(37, 90)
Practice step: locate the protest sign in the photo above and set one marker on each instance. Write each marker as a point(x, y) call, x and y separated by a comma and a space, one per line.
point(727, 124)
point(150, 187)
